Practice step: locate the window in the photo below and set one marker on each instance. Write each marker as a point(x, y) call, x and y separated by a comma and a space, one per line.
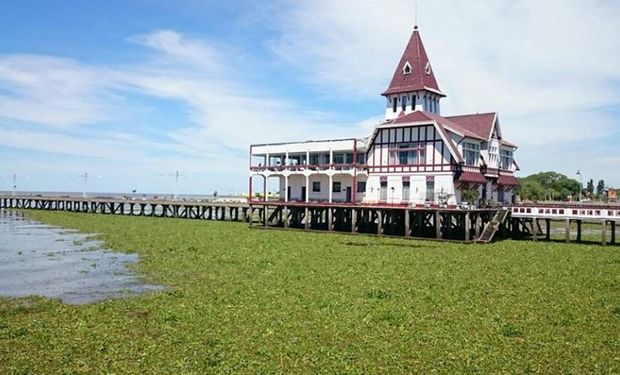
point(404, 103)
point(430, 190)
point(406, 189)
point(316, 186)
point(413, 102)
point(407, 68)
point(471, 152)
point(339, 158)
point(361, 158)
point(506, 159)
point(383, 191)
point(336, 187)
point(314, 159)
point(349, 158)
point(408, 154)
point(361, 186)
point(394, 104)
point(493, 157)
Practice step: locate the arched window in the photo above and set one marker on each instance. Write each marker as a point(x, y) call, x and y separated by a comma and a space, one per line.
point(394, 104)
point(407, 68)
point(404, 103)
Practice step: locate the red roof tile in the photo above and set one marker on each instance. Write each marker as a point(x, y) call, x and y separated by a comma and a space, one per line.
point(420, 116)
point(480, 124)
point(505, 180)
point(473, 177)
point(420, 77)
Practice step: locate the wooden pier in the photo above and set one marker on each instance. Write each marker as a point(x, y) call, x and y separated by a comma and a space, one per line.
point(537, 221)
point(427, 223)
point(221, 211)
point(527, 222)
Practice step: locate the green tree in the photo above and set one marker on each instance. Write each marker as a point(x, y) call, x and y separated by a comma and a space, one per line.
point(548, 186)
point(600, 187)
point(590, 188)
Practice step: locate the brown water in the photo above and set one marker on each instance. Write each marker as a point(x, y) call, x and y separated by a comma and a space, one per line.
point(38, 259)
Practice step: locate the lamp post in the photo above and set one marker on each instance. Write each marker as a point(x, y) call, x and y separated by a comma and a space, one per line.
point(580, 185)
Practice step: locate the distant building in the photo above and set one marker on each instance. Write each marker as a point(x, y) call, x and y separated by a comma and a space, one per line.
point(415, 157)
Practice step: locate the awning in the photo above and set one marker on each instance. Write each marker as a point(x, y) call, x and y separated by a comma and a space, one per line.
point(504, 180)
point(473, 177)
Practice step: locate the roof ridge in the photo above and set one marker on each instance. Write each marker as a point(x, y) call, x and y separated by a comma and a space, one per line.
point(473, 114)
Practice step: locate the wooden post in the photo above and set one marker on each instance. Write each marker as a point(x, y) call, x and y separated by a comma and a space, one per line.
point(330, 219)
point(613, 232)
point(251, 215)
point(535, 229)
point(578, 230)
point(285, 216)
point(567, 230)
point(604, 233)
point(266, 215)
point(353, 220)
point(380, 221)
point(307, 218)
point(478, 226)
point(437, 225)
point(548, 229)
point(467, 225)
point(407, 224)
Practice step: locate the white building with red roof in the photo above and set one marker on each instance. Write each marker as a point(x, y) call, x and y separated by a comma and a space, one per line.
point(416, 156)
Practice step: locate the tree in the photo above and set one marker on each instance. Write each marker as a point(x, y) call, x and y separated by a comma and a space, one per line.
point(548, 186)
point(469, 195)
point(600, 187)
point(590, 188)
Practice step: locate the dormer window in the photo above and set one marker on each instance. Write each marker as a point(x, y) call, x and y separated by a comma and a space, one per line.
point(407, 68)
point(428, 69)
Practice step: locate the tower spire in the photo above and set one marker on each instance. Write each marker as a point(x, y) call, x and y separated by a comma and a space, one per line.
point(415, 26)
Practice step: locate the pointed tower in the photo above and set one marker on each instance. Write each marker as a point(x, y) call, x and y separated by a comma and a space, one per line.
point(413, 86)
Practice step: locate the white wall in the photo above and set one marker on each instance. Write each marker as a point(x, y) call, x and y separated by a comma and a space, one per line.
point(417, 188)
point(420, 104)
point(297, 181)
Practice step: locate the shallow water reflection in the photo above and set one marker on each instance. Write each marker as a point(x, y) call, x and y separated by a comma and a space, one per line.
point(38, 259)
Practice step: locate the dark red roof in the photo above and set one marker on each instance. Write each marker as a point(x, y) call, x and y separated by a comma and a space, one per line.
point(420, 116)
point(473, 177)
point(504, 142)
point(420, 77)
point(505, 180)
point(480, 124)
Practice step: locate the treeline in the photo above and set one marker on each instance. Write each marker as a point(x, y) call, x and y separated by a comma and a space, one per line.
point(556, 186)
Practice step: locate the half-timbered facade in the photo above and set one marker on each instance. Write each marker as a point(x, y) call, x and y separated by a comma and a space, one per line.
point(415, 157)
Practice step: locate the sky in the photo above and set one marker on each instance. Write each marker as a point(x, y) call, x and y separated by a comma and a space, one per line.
point(131, 91)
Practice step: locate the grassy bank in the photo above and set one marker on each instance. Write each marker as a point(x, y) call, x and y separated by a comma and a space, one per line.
point(256, 301)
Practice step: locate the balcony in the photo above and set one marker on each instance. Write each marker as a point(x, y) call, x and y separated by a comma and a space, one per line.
point(309, 167)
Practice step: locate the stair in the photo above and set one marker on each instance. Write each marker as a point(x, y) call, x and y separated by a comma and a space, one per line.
point(491, 228)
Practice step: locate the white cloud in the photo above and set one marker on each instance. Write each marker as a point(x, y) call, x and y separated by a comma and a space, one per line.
point(548, 67)
point(51, 90)
point(224, 113)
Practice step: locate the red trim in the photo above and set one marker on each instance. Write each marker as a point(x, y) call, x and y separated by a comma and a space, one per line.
point(354, 187)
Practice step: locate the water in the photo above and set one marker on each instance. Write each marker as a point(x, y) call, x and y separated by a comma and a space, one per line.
point(132, 196)
point(38, 259)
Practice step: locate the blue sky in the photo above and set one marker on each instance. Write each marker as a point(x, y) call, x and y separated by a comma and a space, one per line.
point(131, 91)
